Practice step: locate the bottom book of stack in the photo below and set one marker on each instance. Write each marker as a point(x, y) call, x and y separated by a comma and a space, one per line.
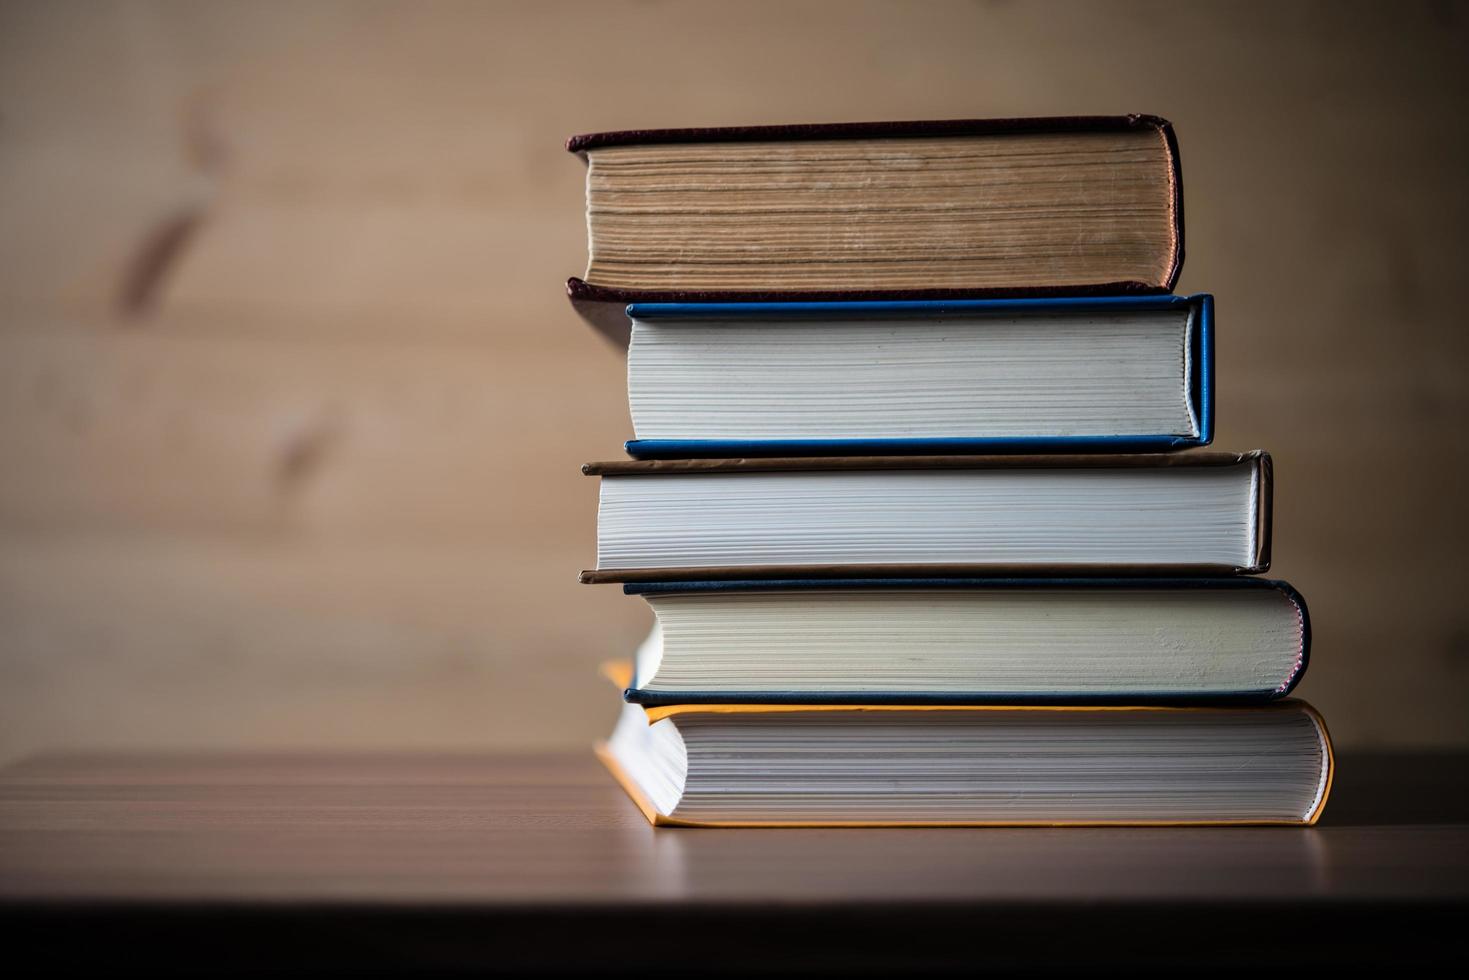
point(962, 702)
point(885, 765)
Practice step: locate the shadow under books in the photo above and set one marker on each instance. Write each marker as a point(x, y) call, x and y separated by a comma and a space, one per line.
point(1398, 789)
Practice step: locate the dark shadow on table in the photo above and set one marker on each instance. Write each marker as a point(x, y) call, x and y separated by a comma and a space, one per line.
point(1398, 789)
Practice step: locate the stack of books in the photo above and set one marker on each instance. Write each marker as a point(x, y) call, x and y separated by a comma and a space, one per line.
point(916, 492)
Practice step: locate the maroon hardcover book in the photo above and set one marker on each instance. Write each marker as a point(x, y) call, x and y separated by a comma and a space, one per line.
point(1256, 463)
point(602, 304)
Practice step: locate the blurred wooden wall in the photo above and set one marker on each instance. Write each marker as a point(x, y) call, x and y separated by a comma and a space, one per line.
point(293, 405)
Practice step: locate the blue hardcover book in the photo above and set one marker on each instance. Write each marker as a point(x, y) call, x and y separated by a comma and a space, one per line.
point(970, 641)
point(1054, 375)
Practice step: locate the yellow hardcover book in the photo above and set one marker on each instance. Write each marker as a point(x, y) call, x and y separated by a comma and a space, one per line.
point(792, 765)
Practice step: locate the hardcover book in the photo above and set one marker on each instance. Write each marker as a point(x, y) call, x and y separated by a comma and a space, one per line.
point(1100, 374)
point(932, 516)
point(970, 641)
point(917, 210)
point(768, 765)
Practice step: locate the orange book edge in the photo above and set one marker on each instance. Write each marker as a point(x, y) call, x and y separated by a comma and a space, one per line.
point(619, 672)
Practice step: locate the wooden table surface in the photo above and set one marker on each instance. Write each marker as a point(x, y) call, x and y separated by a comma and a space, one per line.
point(458, 862)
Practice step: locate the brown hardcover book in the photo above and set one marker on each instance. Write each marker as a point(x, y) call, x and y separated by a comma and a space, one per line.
point(932, 516)
point(883, 210)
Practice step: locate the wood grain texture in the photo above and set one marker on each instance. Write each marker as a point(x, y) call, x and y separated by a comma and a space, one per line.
point(512, 829)
point(156, 847)
point(293, 400)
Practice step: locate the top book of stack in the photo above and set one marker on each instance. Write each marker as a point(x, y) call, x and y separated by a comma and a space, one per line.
point(1075, 206)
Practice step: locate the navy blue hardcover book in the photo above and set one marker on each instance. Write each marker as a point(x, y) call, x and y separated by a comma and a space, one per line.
point(971, 641)
point(1082, 374)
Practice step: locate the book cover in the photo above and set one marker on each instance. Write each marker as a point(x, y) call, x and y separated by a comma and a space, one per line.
point(654, 715)
point(1259, 561)
point(1201, 379)
point(603, 307)
point(650, 698)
